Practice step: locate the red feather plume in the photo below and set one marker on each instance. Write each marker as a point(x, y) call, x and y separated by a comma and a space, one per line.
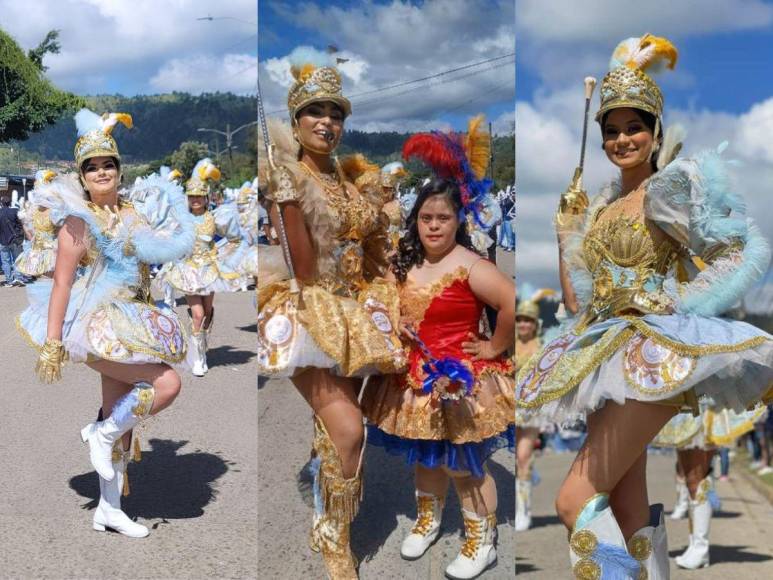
point(434, 150)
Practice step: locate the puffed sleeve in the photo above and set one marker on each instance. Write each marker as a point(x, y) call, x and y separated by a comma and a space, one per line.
point(692, 200)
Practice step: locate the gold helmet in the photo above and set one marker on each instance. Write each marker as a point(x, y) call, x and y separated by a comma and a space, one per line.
point(94, 135)
point(204, 175)
point(528, 309)
point(314, 82)
point(628, 85)
point(245, 193)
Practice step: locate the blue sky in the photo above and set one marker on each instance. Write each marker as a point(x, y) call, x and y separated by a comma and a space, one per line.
point(721, 90)
point(142, 46)
point(394, 41)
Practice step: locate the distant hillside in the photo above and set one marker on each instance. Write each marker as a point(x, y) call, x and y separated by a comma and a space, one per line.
point(161, 124)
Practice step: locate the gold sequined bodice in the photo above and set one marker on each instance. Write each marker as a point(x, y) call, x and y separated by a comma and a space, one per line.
point(43, 230)
point(628, 262)
point(205, 228)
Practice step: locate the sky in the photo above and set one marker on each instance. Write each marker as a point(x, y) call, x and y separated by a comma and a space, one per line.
point(135, 47)
point(388, 42)
point(721, 90)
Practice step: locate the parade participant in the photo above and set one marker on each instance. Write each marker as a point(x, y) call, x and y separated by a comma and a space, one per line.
point(696, 439)
point(39, 254)
point(175, 176)
point(201, 274)
point(340, 325)
point(455, 405)
point(106, 317)
point(646, 269)
point(527, 343)
point(247, 205)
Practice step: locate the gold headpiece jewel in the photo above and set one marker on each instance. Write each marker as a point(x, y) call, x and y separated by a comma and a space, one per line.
point(94, 135)
point(315, 84)
point(627, 84)
point(203, 176)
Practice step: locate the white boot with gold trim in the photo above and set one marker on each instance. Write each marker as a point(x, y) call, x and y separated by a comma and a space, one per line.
point(682, 500)
point(697, 553)
point(130, 410)
point(108, 514)
point(649, 546)
point(597, 547)
point(426, 529)
point(479, 551)
point(197, 354)
point(522, 505)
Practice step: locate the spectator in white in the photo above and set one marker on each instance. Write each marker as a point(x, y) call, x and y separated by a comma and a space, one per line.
point(11, 238)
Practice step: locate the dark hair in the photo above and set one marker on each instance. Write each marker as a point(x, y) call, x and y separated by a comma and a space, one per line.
point(115, 160)
point(5, 201)
point(336, 105)
point(649, 121)
point(410, 251)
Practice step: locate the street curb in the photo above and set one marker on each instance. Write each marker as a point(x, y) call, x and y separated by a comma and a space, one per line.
point(764, 489)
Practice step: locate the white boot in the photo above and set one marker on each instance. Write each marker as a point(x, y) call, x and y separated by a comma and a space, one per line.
point(649, 546)
point(522, 505)
point(429, 512)
point(198, 364)
point(697, 553)
point(206, 329)
point(597, 547)
point(108, 513)
point(478, 552)
point(682, 500)
point(169, 296)
point(102, 435)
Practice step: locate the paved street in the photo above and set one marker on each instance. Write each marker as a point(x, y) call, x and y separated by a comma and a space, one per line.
point(195, 487)
point(741, 532)
point(388, 509)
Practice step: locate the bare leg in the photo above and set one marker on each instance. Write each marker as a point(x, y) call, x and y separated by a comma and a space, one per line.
point(526, 441)
point(617, 437)
point(207, 302)
point(695, 465)
point(629, 500)
point(112, 390)
point(476, 494)
point(334, 400)
point(196, 304)
point(434, 481)
point(165, 381)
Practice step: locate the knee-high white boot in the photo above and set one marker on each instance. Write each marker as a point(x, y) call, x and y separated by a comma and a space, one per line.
point(649, 546)
point(169, 295)
point(108, 514)
point(130, 410)
point(597, 547)
point(479, 551)
point(206, 329)
point(197, 356)
point(697, 553)
point(426, 529)
point(522, 505)
point(682, 500)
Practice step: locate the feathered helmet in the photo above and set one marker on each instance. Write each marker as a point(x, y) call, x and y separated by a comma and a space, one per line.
point(316, 80)
point(94, 135)
point(628, 84)
point(528, 309)
point(204, 175)
point(245, 193)
point(462, 158)
point(171, 175)
point(392, 174)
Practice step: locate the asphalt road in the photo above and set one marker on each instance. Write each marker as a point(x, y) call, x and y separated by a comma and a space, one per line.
point(196, 486)
point(741, 533)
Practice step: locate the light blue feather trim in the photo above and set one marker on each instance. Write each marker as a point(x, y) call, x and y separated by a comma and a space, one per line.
point(535, 477)
point(615, 562)
point(314, 471)
point(716, 503)
point(725, 281)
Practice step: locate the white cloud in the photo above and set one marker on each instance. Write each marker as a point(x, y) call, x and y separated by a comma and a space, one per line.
point(197, 74)
point(123, 43)
point(390, 43)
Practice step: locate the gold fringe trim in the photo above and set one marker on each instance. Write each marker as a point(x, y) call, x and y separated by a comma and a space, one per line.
point(341, 497)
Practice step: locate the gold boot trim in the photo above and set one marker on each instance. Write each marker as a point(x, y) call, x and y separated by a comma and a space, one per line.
point(340, 497)
point(425, 513)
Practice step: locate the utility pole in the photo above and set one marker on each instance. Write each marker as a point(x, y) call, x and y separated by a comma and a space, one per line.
point(228, 134)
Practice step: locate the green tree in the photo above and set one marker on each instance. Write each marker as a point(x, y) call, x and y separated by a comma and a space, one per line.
point(28, 101)
point(49, 44)
point(187, 155)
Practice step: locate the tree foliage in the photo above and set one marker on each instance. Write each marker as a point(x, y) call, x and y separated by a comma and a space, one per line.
point(28, 101)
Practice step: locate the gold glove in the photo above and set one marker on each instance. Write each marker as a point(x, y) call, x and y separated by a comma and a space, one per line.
point(50, 361)
point(574, 201)
point(281, 186)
